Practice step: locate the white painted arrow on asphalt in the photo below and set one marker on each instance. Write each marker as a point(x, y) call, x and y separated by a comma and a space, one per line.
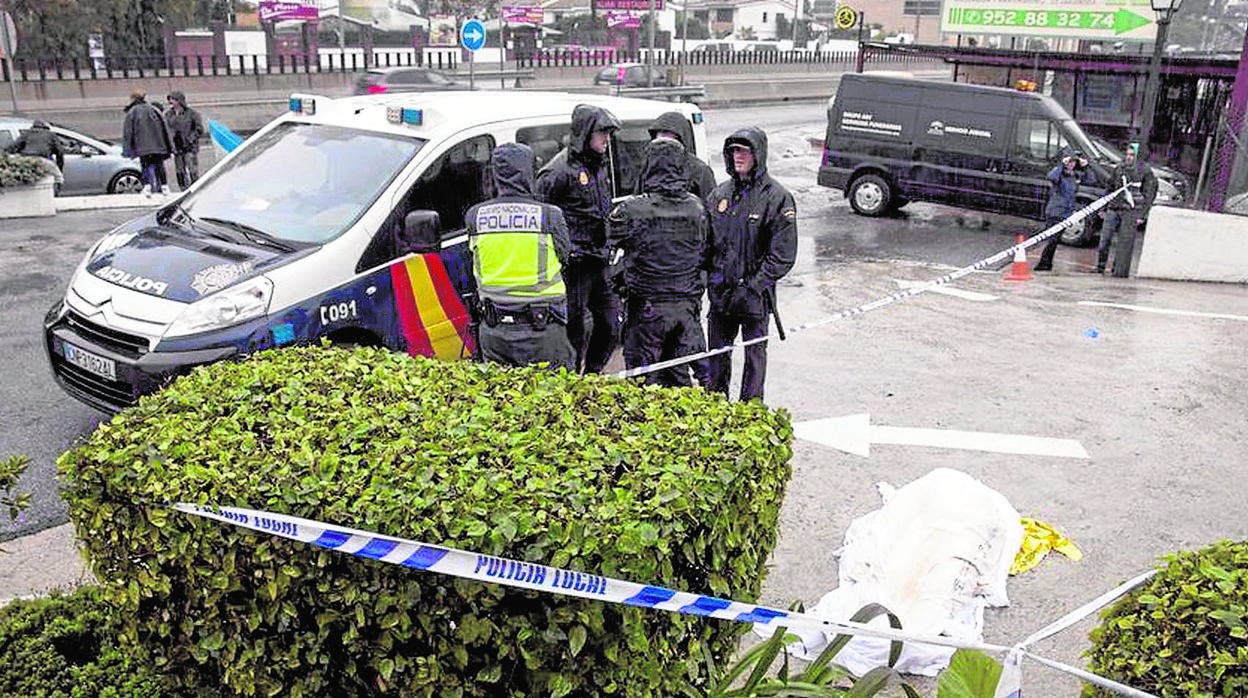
point(855, 434)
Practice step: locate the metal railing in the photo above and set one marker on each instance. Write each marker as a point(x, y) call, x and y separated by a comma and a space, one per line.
point(28, 69)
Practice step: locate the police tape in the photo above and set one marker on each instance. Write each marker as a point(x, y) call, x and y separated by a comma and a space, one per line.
point(1076, 218)
point(542, 578)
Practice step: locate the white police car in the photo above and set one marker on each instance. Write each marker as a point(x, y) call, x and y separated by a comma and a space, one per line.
point(322, 224)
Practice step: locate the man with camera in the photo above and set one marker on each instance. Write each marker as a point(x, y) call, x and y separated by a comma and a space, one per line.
point(1063, 184)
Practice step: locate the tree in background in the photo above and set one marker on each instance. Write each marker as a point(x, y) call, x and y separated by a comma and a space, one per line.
point(784, 27)
point(697, 28)
point(129, 27)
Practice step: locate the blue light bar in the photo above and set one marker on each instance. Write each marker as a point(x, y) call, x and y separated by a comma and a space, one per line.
point(413, 117)
point(697, 117)
point(296, 104)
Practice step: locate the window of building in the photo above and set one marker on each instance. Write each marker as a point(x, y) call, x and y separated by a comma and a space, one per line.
point(724, 15)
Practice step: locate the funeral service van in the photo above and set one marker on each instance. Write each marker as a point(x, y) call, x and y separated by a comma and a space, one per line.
point(342, 219)
point(892, 140)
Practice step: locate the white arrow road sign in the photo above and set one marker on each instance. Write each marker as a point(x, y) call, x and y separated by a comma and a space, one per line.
point(855, 434)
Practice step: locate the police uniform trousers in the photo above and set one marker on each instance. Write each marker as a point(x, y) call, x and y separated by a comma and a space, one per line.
point(517, 339)
point(658, 330)
point(722, 329)
point(590, 294)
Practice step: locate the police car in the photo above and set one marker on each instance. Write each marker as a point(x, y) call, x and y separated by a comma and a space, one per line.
point(342, 219)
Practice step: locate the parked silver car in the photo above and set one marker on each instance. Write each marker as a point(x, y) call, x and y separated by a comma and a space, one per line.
point(92, 166)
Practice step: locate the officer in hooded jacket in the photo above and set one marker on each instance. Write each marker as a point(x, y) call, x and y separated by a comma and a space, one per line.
point(519, 247)
point(578, 180)
point(698, 174)
point(187, 127)
point(753, 245)
point(663, 233)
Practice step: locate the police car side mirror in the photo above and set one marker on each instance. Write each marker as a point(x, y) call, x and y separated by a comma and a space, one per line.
point(421, 232)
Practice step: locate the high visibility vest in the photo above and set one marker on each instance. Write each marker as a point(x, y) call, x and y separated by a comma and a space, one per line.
point(513, 259)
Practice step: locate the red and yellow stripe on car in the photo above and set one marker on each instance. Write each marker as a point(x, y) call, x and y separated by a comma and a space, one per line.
point(431, 314)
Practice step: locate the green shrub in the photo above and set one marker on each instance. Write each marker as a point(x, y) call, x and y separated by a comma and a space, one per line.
point(65, 647)
point(18, 170)
point(1185, 632)
point(670, 487)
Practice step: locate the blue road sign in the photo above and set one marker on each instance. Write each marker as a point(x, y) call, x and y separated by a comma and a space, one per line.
point(473, 34)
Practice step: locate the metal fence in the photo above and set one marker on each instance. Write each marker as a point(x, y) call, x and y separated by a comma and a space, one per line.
point(28, 69)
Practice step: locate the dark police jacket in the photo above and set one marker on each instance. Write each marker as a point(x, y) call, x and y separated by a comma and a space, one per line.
point(663, 232)
point(578, 180)
point(753, 234)
point(698, 174)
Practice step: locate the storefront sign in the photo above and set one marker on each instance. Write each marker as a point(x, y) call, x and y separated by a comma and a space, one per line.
point(282, 11)
point(522, 14)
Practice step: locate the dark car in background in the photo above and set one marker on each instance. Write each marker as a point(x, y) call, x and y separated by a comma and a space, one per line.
point(630, 75)
point(410, 79)
point(92, 165)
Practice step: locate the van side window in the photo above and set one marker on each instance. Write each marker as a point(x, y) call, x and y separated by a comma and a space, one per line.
point(545, 141)
point(450, 185)
point(628, 154)
point(1040, 139)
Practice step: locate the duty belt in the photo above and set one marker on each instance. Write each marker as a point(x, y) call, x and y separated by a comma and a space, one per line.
point(536, 314)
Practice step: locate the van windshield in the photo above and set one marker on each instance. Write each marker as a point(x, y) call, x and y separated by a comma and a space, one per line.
point(304, 183)
point(1080, 140)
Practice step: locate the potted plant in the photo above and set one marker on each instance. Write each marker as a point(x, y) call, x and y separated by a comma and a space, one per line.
point(26, 187)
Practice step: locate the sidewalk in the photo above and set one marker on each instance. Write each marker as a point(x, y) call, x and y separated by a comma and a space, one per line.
point(37, 564)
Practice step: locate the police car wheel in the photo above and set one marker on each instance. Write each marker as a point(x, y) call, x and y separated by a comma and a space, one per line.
point(870, 195)
point(127, 182)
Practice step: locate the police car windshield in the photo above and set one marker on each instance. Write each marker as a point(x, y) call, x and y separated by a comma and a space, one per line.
point(301, 182)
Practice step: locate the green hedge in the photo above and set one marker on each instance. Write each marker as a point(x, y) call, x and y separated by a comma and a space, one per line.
point(17, 170)
point(1185, 632)
point(66, 647)
point(668, 487)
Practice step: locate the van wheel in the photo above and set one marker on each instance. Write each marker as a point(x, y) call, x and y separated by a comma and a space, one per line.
point(1084, 235)
point(870, 195)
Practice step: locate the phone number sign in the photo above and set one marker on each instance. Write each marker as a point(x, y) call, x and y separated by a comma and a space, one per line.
point(1124, 20)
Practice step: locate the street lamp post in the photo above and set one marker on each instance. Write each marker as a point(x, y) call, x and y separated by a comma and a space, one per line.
point(1164, 9)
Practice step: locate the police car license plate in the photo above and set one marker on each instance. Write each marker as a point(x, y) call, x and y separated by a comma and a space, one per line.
point(87, 361)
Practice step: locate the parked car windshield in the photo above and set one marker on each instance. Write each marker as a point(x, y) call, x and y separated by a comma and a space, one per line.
point(303, 182)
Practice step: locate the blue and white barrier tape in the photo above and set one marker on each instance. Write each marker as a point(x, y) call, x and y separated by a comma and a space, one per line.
point(1076, 218)
point(537, 577)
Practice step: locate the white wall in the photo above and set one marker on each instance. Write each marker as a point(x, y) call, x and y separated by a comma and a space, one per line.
point(1188, 245)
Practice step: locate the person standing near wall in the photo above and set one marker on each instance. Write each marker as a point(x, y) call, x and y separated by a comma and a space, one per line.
point(187, 128)
point(145, 135)
point(1126, 211)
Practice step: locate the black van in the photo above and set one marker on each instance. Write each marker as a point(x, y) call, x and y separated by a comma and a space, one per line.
point(892, 140)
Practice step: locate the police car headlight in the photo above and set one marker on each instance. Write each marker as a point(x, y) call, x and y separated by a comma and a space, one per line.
point(246, 301)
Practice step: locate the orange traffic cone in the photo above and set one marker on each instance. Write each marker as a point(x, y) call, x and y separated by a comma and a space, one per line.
point(1019, 271)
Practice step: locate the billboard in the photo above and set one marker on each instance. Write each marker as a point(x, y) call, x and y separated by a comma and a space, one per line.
point(1122, 20)
point(443, 30)
point(384, 15)
point(623, 19)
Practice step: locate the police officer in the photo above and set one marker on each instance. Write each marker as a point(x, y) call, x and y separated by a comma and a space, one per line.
point(698, 174)
point(519, 246)
point(753, 245)
point(578, 180)
point(663, 234)
point(1124, 213)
